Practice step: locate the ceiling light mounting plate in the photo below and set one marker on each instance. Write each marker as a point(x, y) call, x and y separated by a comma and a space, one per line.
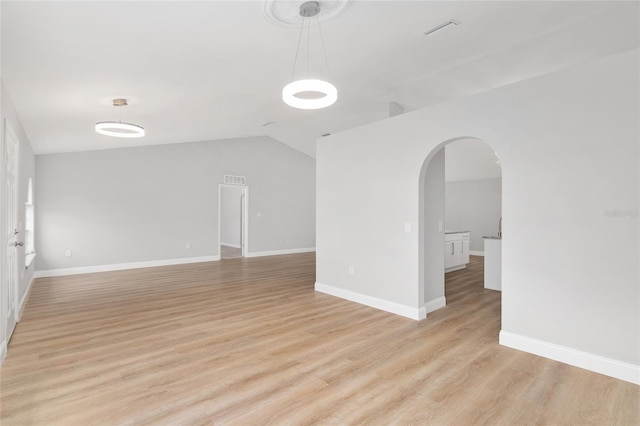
point(309, 9)
point(120, 102)
point(287, 13)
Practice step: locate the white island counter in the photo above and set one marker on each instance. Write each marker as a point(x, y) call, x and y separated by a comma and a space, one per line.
point(493, 263)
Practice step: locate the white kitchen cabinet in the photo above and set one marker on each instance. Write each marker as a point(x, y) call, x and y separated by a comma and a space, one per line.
point(456, 250)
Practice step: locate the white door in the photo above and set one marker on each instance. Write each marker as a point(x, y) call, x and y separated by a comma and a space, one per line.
point(11, 262)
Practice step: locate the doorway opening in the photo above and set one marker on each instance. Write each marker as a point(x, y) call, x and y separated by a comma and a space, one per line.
point(460, 217)
point(232, 221)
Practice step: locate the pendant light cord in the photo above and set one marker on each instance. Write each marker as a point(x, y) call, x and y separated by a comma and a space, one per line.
point(308, 46)
point(324, 51)
point(295, 61)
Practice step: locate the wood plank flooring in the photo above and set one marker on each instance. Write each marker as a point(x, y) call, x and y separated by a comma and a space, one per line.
point(249, 342)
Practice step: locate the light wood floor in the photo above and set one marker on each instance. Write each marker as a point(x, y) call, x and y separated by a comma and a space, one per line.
point(248, 342)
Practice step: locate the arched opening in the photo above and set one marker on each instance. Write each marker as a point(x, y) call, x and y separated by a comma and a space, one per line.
point(460, 204)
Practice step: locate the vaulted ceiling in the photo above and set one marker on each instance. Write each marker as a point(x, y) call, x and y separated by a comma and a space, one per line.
point(207, 70)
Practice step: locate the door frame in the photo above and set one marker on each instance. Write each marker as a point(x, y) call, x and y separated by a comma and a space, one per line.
point(244, 218)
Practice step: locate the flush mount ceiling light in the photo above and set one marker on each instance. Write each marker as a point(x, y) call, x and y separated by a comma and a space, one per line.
point(309, 93)
point(119, 129)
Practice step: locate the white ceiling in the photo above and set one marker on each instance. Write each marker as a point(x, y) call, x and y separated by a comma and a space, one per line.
point(209, 70)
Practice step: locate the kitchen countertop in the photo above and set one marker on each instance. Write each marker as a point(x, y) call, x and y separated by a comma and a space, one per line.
point(493, 238)
point(455, 232)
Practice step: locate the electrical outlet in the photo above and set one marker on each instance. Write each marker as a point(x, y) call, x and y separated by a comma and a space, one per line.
point(259, 214)
point(407, 228)
point(440, 226)
point(67, 253)
point(187, 245)
point(351, 270)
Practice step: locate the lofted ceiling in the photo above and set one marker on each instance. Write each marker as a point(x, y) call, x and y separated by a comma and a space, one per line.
point(208, 70)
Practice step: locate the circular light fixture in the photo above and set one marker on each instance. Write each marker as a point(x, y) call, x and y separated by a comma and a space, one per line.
point(119, 129)
point(309, 94)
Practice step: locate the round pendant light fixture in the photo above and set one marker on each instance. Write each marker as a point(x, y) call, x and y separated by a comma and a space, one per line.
point(309, 93)
point(119, 129)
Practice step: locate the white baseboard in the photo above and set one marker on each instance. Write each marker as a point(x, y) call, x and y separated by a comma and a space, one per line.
point(231, 245)
point(23, 301)
point(476, 253)
point(122, 266)
point(599, 364)
point(435, 304)
point(374, 302)
point(279, 252)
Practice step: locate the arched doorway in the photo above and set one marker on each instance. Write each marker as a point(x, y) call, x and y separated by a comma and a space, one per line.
point(460, 194)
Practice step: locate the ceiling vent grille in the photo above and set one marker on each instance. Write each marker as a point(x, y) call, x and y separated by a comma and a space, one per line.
point(235, 180)
point(447, 24)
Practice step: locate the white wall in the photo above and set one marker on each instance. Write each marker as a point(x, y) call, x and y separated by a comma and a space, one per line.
point(144, 204)
point(568, 144)
point(475, 206)
point(431, 231)
point(230, 215)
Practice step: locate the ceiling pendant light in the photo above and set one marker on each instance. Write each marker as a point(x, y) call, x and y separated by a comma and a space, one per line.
point(119, 129)
point(309, 93)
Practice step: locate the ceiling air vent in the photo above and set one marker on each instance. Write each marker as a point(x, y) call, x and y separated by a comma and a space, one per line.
point(447, 24)
point(235, 180)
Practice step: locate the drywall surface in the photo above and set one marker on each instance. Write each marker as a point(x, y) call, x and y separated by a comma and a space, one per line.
point(475, 206)
point(145, 204)
point(568, 144)
point(432, 226)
